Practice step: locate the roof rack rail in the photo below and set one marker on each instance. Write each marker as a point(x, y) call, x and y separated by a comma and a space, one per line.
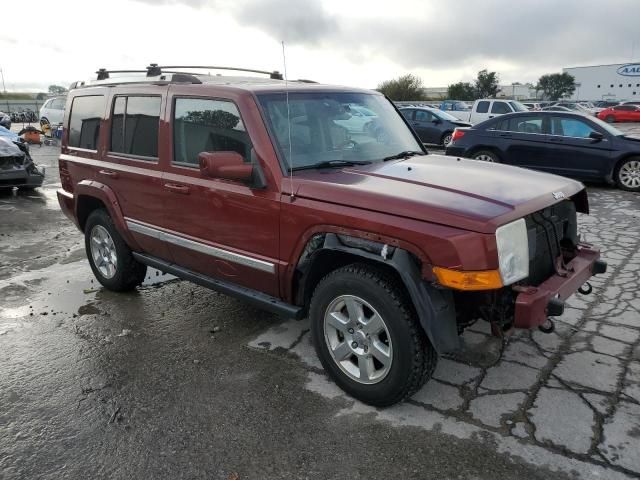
point(154, 69)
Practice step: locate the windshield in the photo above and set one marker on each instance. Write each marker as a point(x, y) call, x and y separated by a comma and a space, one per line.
point(335, 127)
point(518, 107)
point(443, 115)
point(606, 126)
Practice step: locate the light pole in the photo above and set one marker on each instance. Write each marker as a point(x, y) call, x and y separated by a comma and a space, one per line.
point(4, 89)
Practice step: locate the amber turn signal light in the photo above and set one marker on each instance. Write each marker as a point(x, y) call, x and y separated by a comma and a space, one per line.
point(480, 280)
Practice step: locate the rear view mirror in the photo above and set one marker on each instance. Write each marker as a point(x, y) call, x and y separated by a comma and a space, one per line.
point(597, 136)
point(226, 165)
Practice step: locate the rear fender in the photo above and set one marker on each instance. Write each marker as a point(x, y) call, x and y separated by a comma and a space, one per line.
point(105, 194)
point(434, 306)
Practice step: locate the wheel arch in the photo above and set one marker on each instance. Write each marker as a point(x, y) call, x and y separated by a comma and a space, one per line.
point(326, 252)
point(491, 148)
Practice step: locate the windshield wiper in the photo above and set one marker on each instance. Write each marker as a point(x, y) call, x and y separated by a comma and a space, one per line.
point(405, 154)
point(331, 164)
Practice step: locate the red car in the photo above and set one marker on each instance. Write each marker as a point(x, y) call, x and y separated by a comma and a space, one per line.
point(620, 113)
point(252, 187)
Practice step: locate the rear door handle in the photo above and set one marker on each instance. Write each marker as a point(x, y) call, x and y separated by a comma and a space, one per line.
point(553, 139)
point(174, 187)
point(506, 135)
point(108, 173)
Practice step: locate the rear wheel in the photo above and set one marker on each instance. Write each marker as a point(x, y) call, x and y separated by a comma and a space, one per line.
point(446, 139)
point(367, 336)
point(610, 119)
point(486, 156)
point(627, 175)
point(109, 256)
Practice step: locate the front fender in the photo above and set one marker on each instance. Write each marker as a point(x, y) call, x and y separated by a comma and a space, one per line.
point(434, 306)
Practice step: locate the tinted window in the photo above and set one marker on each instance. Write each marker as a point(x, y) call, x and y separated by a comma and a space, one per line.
point(483, 107)
point(134, 126)
point(500, 108)
point(522, 125)
point(423, 116)
point(207, 126)
point(408, 114)
point(84, 123)
point(570, 127)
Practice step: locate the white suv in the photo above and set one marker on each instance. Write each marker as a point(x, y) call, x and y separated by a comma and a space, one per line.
point(53, 110)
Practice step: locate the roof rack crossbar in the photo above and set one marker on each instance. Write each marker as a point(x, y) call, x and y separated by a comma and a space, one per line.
point(154, 69)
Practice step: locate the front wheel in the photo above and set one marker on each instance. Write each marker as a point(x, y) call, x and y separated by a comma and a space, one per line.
point(109, 256)
point(486, 156)
point(610, 119)
point(367, 336)
point(627, 175)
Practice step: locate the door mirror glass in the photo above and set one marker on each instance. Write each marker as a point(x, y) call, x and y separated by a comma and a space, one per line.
point(226, 165)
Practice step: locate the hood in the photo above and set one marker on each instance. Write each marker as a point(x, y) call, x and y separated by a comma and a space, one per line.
point(461, 193)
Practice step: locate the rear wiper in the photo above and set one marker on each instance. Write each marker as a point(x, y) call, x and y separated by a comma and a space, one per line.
point(405, 154)
point(332, 164)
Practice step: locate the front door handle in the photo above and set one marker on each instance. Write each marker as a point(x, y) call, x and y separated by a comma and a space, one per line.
point(506, 135)
point(174, 187)
point(108, 173)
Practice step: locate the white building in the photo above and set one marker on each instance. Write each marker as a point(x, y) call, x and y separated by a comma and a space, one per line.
point(620, 81)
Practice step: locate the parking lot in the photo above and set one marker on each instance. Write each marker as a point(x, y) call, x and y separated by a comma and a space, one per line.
point(176, 381)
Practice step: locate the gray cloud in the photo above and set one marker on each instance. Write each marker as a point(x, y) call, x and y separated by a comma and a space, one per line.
point(526, 33)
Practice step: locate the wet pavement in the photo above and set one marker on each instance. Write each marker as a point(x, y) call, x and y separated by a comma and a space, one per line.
point(176, 381)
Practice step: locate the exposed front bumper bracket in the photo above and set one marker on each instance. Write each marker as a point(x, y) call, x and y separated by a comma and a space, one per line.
point(535, 304)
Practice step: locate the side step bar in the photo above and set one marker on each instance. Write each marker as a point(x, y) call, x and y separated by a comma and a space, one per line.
point(255, 298)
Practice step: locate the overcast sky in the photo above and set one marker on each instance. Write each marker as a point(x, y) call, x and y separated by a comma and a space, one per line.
point(349, 42)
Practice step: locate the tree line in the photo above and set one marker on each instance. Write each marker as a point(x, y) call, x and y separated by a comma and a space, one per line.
point(553, 86)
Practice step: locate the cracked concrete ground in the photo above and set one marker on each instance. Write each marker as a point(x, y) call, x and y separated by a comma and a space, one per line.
point(175, 381)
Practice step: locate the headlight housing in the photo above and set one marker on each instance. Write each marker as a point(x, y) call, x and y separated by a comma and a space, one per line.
point(513, 251)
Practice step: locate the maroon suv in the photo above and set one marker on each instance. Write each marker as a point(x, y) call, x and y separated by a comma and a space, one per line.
point(319, 201)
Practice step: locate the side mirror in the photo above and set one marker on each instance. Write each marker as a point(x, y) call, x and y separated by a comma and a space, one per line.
point(596, 136)
point(225, 165)
point(436, 121)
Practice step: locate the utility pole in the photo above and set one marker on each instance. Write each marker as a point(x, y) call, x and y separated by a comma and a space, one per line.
point(4, 89)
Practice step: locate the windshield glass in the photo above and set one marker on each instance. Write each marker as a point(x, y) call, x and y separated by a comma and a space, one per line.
point(443, 115)
point(606, 126)
point(335, 126)
point(518, 107)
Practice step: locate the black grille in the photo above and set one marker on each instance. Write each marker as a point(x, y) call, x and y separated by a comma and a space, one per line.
point(551, 231)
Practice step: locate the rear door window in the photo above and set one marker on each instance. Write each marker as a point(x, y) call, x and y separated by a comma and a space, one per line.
point(206, 125)
point(134, 126)
point(84, 121)
point(408, 114)
point(483, 107)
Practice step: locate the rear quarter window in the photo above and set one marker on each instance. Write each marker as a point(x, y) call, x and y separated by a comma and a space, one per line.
point(84, 121)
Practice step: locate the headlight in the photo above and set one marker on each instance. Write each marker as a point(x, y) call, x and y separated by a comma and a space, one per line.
point(513, 251)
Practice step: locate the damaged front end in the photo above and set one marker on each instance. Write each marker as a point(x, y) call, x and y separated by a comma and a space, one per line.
point(17, 168)
point(559, 266)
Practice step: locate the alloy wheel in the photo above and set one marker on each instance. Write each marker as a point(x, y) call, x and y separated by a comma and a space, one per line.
point(103, 251)
point(630, 174)
point(484, 157)
point(358, 339)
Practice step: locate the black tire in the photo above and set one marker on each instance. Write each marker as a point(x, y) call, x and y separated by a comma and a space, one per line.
point(626, 182)
point(129, 273)
point(413, 357)
point(486, 156)
point(445, 136)
point(610, 119)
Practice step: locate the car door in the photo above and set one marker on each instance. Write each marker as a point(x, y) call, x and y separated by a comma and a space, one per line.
point(574, 153)
point(221, 228)
point(523, 141)
point(425, 125)
point(132, 165)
